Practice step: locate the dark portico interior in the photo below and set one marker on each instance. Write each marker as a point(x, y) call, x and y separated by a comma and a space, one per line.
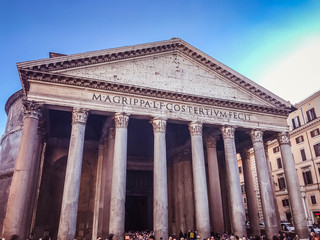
point(139, 187)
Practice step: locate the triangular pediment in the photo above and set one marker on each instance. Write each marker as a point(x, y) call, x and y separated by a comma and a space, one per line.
point(168, 72)
point(171, 66)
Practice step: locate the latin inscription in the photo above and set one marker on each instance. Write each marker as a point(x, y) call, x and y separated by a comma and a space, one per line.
point(171, 107)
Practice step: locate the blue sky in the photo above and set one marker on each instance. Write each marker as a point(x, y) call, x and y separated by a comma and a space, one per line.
point(274, 43)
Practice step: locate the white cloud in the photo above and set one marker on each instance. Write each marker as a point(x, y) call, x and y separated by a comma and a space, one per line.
point(297, 75)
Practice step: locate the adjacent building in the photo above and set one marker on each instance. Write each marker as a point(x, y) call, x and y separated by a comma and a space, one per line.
point(304, 124)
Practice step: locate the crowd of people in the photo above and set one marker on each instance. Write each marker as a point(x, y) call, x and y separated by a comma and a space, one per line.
point(192, 235)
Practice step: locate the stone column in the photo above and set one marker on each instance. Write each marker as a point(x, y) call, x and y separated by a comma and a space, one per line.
point(272, 185)
point(299, 219)
point(103, 183)
point(199, 181)
point(188, 194)
point(237, 213)
point(215, 199)
point(268, 206)
point(107, 182)
point(119, 175)
point(252, 202)
point(179, 196)
point(70, 198)
point(160, 193)
point(17, 213)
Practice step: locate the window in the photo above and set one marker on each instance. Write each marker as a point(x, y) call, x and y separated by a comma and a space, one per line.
point(317, 149)
point(315, 132)
point(243, 189)
point(279, 163)
point(296, 122)
point(313, 199)
point(307, 177)
point(285, 202)
point(282, 183)
point(303, 155)
point(276, 149)
point(299, 139)
point(240, 169)
point(311, 114)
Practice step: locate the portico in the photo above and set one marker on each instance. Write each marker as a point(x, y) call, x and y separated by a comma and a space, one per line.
point(165, 109)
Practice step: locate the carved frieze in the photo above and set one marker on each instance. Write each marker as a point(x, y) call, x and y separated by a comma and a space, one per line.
point(121, 120)
point(227, 132)
point(159, 125)
point(195, 128)
point(79, 115)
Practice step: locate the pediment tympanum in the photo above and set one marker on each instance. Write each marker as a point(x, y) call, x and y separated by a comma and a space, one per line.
point(169, 72)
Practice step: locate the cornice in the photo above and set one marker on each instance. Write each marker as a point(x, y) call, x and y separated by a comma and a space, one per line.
point(308, 99)
point(56, 78)
point(303, 127)
point(104, 56)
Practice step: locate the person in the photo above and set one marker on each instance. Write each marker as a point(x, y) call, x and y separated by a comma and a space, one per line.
point(152, 237)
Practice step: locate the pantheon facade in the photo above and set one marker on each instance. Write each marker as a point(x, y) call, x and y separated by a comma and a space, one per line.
point(140, 137)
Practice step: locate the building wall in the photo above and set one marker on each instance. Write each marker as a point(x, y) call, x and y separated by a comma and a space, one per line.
point(308, 166)
point(9, 146)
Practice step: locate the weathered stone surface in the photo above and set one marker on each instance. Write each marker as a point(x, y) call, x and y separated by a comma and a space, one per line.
point(158, 72)
point(119, 174)
point(268, 205)
point(160, 191)
point(69, 208)
point(237, 213)
point(299, 218)
point(199, 181)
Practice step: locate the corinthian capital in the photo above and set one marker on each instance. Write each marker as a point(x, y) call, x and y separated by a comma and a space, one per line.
point(256, 136)
point(159, 125)
point(79, 115)
point(195, 128)
point(121, 120)
point(283, 138)
point(227, 132)
point(211, 141)
point(32, 109)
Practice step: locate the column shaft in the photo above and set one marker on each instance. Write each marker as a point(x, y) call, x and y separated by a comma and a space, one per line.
point(215, 199)
point(237, 212)
point(69, 208)
point(160, 193)
point(188, 194)
point(179, 197)
point(268, 206)
point(119, 175)
point(103, 183)
point(299, 219)
point(250, 193)
point(107, 182)
point(17, 213)
point(199, 181)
